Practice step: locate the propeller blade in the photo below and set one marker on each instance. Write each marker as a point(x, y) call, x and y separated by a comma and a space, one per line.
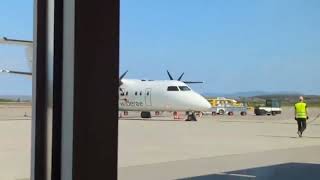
point(171, 78)
point(124, 74)
point(179, 79)
point(121, 77)
point(192, 82)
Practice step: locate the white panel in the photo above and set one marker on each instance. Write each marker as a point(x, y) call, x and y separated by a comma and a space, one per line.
point(67, 90)
point(50, 54)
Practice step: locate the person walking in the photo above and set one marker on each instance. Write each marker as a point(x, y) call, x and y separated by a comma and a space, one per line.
point(301, 115)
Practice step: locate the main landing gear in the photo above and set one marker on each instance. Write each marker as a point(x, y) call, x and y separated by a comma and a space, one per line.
point(145, 114)
point(191, 116)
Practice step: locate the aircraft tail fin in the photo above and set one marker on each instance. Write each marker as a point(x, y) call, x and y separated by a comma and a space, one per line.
point(27, 44)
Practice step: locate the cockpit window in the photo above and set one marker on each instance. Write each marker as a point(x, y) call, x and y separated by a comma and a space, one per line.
point(173, 88)
point(184, 88)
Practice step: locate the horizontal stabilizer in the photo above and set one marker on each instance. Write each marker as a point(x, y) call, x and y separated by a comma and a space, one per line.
point(4, 40)
point(16, 72)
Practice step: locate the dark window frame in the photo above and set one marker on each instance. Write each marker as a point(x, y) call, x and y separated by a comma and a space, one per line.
point(184, 88)
point(173, 88)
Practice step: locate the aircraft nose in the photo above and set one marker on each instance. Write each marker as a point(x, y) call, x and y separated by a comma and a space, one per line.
point(201, 104)
point(205, 105)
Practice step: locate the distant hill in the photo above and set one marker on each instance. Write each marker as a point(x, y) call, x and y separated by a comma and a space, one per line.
point(16, 97)
point(312, 100)
point(249, 94)
point(259, 97)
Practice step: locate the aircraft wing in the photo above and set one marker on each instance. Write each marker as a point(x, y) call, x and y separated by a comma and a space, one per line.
point(4, 40)
point(16, 72)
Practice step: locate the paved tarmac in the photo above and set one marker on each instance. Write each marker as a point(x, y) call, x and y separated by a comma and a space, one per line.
point(215, 147)
point(15, 138)
point(219, 147)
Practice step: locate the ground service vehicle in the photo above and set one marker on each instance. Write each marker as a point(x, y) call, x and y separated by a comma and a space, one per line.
point(272, 107)
point(223, 106)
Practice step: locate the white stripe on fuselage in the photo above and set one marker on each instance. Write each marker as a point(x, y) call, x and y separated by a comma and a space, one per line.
point(137, 95)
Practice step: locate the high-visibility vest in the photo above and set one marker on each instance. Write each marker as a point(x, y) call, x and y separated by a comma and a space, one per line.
point(301, 110)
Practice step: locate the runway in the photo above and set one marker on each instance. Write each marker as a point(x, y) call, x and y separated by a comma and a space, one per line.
point(215, 147)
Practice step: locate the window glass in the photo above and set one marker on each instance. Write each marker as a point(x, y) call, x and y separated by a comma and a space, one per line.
point(16, 90)
point(184, 88)
point(173, 88)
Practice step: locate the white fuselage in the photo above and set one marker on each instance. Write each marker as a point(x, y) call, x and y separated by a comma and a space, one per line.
point(159, 95)
point(138, 95)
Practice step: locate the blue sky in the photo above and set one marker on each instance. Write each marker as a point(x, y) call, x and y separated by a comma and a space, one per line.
point(235, 45)
point(16, 21)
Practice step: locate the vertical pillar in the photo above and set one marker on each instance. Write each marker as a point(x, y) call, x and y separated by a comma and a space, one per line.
point(77, 48)
point(39, 130)
point(96, 79)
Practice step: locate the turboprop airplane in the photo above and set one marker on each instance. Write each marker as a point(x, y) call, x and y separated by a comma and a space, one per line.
point(145, 95)
point(160, 95)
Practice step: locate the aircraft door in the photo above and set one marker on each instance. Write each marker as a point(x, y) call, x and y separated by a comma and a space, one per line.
point(148, 97)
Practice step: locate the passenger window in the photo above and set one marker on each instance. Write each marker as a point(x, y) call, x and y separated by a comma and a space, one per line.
point(127, 93)
point(173, 88)
point(140, 93)
point(148, 93)
point(184, 88)
point(136, 93)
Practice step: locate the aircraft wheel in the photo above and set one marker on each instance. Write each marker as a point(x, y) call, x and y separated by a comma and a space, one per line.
point(221, 112)
point(191, 117)
point(145, 114)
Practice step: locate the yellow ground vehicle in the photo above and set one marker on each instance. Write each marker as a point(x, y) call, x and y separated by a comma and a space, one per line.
point(221, 105)
point(224, 102)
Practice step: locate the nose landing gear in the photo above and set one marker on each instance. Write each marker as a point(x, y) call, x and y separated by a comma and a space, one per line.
point(191, 116)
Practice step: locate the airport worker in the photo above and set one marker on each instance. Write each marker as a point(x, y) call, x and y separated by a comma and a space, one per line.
point(301, 115)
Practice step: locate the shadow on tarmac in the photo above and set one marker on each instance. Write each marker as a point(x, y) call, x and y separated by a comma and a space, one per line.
point(14, 119)
point(273, 136)
point(293, 137)
point(290, 171)
point(152, 120)
point(240, 121)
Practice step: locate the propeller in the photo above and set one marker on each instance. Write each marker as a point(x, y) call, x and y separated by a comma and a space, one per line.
point(124, 74)
point(171, 78)
point(121, 77)
point(179, 79)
